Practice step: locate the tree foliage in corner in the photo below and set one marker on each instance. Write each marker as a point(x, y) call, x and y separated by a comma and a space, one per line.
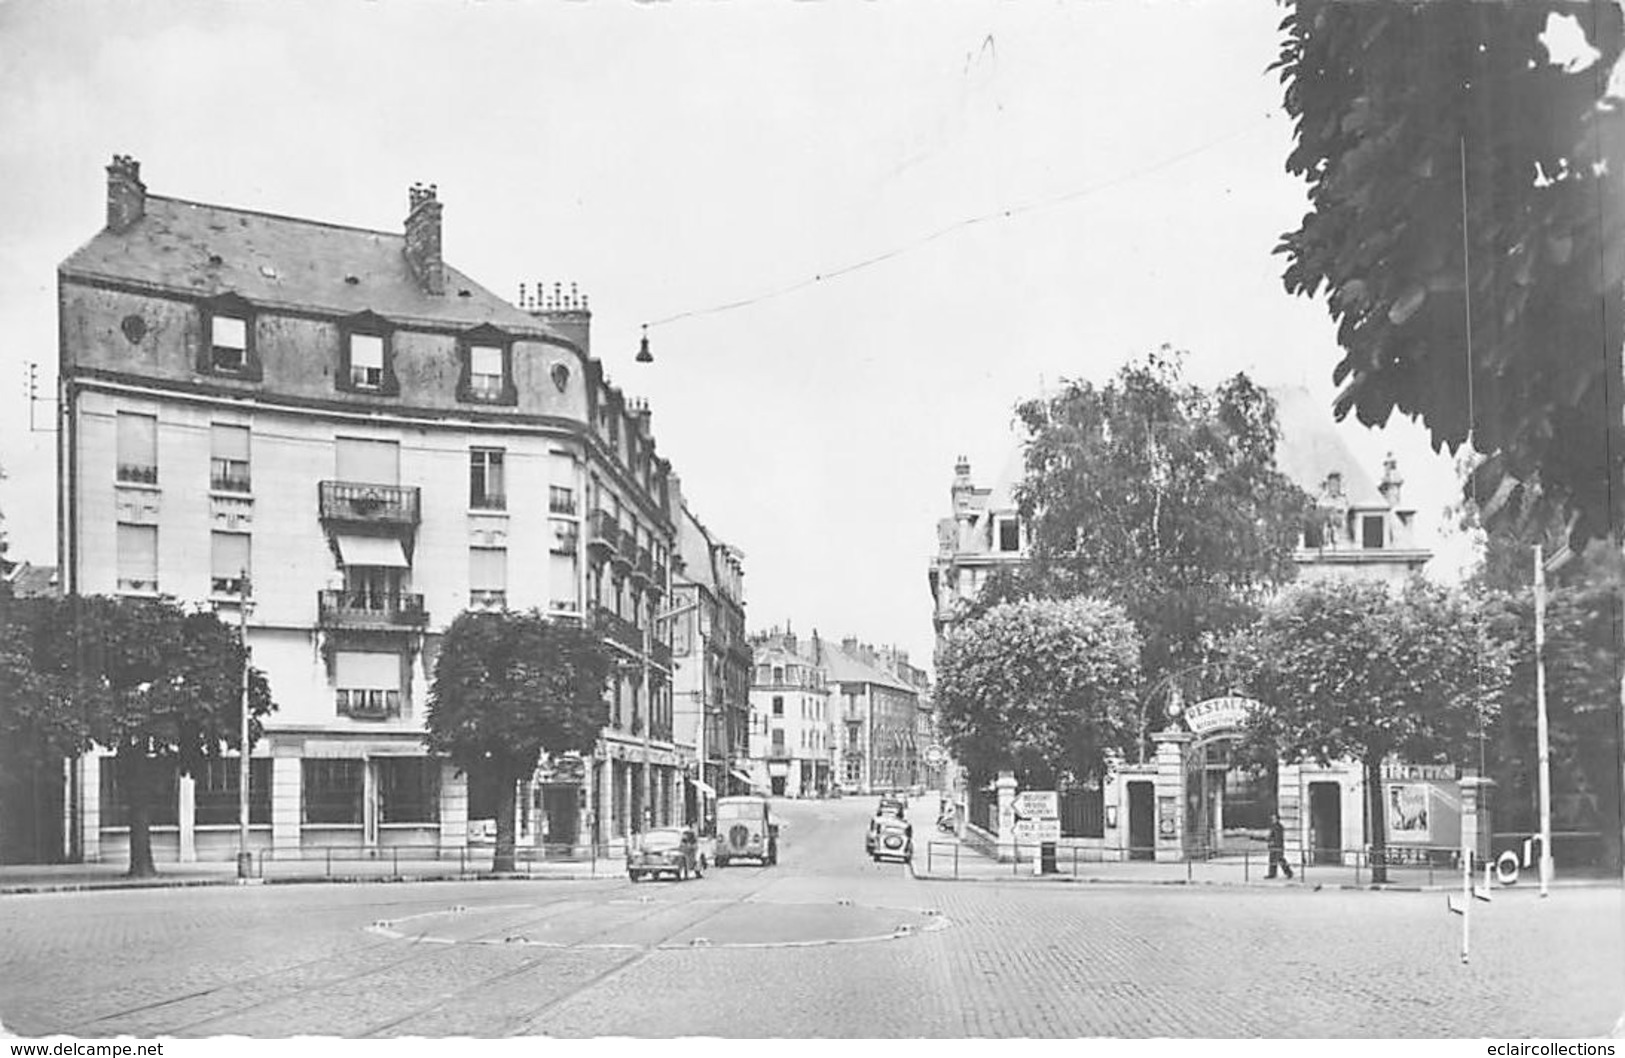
point(1162, 497)
point(1435, 136)
point(159, 686)
point(1352, 670)
point(509, 687)
point(1043, 687)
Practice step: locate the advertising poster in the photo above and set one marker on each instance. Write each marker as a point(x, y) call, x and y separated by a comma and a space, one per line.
point(1409, 812)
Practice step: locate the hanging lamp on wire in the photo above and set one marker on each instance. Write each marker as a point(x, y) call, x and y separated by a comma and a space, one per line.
point(644, 356)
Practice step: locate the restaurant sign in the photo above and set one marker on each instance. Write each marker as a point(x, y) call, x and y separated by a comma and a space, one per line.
point(1219, 714)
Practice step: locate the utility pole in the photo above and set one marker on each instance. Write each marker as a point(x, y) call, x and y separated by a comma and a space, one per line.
point(1542, 736)
point(245, 858)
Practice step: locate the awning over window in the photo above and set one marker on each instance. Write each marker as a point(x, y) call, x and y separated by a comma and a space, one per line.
point(371, 551)
point(743, 777)
point(704, 787)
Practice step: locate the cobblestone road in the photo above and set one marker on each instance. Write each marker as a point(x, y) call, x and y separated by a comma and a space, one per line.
point(825, 944)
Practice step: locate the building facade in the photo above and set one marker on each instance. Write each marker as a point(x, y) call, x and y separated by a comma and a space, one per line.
point(984, 532)
point(1189, 796)
point(712, 659)
point(791, 743)
point(878, 693)
point(337, 429)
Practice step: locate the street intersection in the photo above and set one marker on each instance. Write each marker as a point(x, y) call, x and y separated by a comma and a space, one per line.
point(826, 944)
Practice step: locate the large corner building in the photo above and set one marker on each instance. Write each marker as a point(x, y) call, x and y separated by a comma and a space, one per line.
point(378, 443)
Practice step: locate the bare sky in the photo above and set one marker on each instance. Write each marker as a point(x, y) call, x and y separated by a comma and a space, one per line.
point(673, 157)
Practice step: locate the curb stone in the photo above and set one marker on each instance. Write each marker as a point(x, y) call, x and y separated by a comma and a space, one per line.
point(200, 883)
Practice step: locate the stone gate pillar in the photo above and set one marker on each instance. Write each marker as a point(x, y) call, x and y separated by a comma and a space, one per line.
point(1170, 788)
point(1006, 787)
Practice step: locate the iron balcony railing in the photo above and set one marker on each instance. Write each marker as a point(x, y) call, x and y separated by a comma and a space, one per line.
point(351, 609)
point(603, 531)
point(367, 504)
point(617, 629)
point(368, 704)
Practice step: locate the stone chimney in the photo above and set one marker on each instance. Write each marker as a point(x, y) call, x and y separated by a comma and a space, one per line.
point(1391, 481)
point(1334, 485)
point(126, 194)
point(962, 487)
point(423, 239)
point(564, 310)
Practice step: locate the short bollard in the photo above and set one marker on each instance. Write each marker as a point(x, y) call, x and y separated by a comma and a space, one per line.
point(395, 863)
point(329, 860)
point(1246, 865)
point(956, 861)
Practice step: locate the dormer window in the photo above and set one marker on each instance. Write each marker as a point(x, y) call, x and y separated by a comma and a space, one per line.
point(485, 371)
point(366, 361)
point(228, 343)
point(487, 377)
point(365, 354)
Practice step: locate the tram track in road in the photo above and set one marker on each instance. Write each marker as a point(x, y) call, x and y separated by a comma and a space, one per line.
point(418, 951)
point(527, 1023)
point(530, 1023)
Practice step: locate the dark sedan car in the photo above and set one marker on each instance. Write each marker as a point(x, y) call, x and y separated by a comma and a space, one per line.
point(665, 850)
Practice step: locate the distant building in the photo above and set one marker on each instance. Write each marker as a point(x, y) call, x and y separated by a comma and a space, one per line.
point(790, 730)
point(379, 443)
point(712, 675)
point(985, 532)
point(1357, 528)
point(28, 581)
point(878, 745)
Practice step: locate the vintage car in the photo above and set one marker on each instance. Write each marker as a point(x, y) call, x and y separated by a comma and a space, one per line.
point(745, 831)
point(665, 850)
point(890, 808)
point(892, 839)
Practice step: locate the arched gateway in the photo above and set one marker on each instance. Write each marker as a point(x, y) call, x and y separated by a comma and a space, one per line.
point(1228, 795)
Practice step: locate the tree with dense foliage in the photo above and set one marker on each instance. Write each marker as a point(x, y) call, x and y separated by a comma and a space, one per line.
point(1582, 686)
point(1162, 497)
point(1582, 658)
point(1359, 671)
point(509, 687)
point(1043, 687)
point(1465, 196)
point(158, 685)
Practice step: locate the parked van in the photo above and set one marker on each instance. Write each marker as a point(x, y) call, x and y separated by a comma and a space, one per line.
point(745, 831)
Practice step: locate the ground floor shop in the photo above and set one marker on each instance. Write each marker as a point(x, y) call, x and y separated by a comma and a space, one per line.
point(311, 792)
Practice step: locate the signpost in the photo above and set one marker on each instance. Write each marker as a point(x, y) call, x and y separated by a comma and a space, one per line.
point(1038, 819)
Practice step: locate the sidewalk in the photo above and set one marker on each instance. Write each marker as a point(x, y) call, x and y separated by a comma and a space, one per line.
point(941, 856)
point(77, 877)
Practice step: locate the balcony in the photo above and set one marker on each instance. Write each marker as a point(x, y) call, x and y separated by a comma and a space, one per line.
point(603, 532)
point(661, 653)
point(657, 578)
point(625, 554)
point(358, 503)
point(617, 629)
point(368, 704)
point(350, 609)
point(642, 565)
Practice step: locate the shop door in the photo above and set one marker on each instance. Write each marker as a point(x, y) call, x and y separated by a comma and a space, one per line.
point(1325, 822)
point(1142, 822)
point(559, 809)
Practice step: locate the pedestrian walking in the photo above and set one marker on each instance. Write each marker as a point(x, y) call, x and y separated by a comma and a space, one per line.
point(1278, 848)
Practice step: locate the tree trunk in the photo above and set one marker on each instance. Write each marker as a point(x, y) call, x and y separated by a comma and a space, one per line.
point(503, 860)
point(1376, 823)
point(138, 795)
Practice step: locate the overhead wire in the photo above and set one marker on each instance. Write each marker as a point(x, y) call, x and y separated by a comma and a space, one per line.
point(1005, 213)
